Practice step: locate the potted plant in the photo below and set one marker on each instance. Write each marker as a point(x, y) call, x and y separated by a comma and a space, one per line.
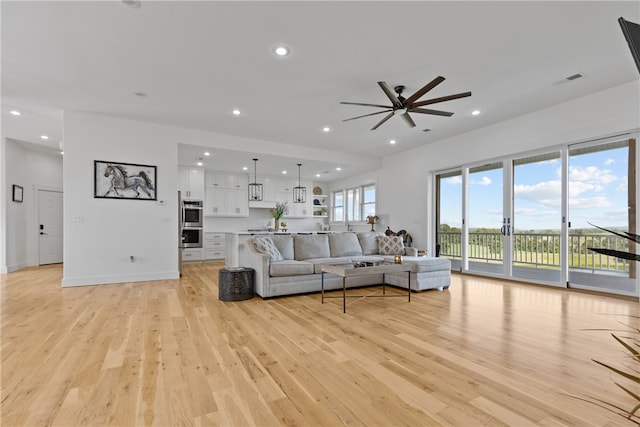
point(281, 209)
point(283, 224)
point(629, 374)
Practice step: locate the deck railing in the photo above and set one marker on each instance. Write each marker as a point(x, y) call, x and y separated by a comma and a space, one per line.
point(539, 250)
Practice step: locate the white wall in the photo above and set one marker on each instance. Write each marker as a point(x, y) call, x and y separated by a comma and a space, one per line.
point(101, 234)
point(405, 181)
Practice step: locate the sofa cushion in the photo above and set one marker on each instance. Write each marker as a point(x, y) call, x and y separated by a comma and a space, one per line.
point(265, 245)
point(284, 243)
point(390, 245)
point(308, 246)
point(369, 242)
point(290, 268)
point(424, 264)
point(344, 244)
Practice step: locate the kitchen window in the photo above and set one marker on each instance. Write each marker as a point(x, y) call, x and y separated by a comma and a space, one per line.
point(354, 204)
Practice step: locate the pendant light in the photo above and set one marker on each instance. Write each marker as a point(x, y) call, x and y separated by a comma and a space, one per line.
point(299, 193)
point(255, 189)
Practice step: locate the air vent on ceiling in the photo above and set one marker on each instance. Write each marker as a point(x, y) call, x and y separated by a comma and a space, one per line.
point(575, 76)
point(426, 130)
point(135, 4)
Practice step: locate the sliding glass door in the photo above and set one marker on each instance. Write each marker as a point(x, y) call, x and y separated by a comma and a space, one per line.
point(602, 189)
point(535, 217)
point(485, 219)
point(449, 217)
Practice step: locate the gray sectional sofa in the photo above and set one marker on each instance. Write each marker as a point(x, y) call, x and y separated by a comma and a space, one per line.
point(294, 266)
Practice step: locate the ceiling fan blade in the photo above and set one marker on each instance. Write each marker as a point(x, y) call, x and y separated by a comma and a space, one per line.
point(407, 118)
point(387, 117)
point(429, 111)
point(426, 88)
point(366, 115)
point(441, 99)
point(387, 91)
point(366, 105)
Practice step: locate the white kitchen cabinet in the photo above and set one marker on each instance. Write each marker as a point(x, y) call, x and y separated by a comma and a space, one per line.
point(237, 202)
point(192, 254)
point(238, 182)
point(191, 183)
point(215, 180)
point(215, 201)
point(214, 246)
point(226, 194)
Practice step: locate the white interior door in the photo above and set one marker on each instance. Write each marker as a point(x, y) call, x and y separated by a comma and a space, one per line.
point(50, 226)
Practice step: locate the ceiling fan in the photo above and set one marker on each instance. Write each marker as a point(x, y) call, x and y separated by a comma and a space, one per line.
point(404, 106)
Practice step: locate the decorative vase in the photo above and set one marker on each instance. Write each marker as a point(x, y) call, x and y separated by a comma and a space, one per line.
point(276, 225)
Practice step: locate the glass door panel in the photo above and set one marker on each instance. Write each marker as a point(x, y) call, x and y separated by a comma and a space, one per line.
point(602, 193)
point(485, 219)
point(537, 218)
point(449, 217)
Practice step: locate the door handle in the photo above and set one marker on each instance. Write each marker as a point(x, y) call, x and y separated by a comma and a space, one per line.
point(42, 232)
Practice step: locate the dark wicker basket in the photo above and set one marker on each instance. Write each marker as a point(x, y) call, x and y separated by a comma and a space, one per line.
point(235, 284)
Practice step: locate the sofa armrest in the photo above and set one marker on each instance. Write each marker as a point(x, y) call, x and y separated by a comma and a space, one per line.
point(408, 251)
point(260, 263)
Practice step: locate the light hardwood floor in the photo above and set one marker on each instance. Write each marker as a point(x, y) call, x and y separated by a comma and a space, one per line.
point(169, 353)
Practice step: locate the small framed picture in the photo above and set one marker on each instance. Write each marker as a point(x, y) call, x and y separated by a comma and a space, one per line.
point(17, 193)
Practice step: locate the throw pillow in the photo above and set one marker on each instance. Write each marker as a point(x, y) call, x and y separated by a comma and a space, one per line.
point(265, 245)
point(390, 245)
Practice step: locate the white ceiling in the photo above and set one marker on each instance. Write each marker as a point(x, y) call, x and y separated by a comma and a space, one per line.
point(196, 61)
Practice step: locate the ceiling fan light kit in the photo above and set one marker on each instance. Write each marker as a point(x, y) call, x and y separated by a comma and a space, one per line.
point(403, 106)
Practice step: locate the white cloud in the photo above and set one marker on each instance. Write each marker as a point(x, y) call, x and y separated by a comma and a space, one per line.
point(609, 162)
point(589, 202)
point(454, 180)
point(546, 193)
point(592, 174)
point(484, 181)
point(623, 186)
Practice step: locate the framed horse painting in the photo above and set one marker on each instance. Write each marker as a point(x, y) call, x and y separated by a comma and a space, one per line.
point(124, 181)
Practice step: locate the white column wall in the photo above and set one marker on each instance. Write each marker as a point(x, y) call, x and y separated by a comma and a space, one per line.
point(101, 234)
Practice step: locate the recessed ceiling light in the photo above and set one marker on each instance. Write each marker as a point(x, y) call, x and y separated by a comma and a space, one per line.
point(206, 153)
point(475, 112)
point(236, 112)
point(15, 113)
point(244, 168)
point(317, 175)
point(62, 152)
point(199, 163)
point(44, 137)
point(393, 141)
point(338, 168)
point(284, 172)
point(281, 51)
point(326, 129)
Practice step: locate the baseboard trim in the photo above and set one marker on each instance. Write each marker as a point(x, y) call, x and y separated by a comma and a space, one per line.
point(109, 280)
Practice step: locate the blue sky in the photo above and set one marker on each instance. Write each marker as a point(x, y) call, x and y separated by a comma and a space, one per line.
point(597, 194)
